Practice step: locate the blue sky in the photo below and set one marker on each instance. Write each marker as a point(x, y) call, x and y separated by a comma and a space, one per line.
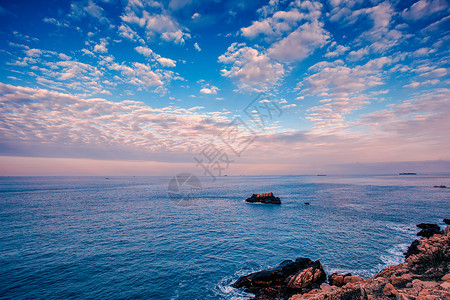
point(120, 82)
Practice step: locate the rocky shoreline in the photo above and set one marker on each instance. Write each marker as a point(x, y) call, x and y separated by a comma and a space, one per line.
point(425, 275)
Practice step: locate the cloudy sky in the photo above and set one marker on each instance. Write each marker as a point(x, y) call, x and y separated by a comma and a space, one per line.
point(142, 87)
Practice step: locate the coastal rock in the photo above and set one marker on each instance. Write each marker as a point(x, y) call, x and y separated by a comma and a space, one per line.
point(446, 221)
point(310, 277)
point(389, 290)
point(428, 225)
point(424, 275)
point(412, 249)
point(267, 198)
point(428, 232)
point(428, 229)
point(289, 277)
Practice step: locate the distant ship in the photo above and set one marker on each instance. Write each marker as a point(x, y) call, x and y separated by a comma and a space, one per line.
point(321, 175)
point(407, 173)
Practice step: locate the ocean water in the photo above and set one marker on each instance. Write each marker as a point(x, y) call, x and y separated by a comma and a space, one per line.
point(124, 238)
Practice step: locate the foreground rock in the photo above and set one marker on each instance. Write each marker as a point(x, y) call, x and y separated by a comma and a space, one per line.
point(288, 278)
point(424, 275)
point(267, 198)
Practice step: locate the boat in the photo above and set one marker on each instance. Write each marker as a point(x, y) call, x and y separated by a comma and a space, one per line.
point(406, 173)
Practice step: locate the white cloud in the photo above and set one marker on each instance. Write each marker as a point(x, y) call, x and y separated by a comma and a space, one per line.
point(287, 106)
point(340, 50)
point(251, 68)
point(82, 9)
point(438, 72)
point(59, 23)
point(101, 48)
point(87, 52)
point(33, 52)
point(195, 16)
point(209, 90)
point(197, 47)
point(340, 88)
point(162, 24)
point(424, 8)
point(64, 125)
point(166, 62)
point(281, 22)
point(94, 10)
point(301, 43)
point(412, 85)
point(141, 75)
point(128, 33)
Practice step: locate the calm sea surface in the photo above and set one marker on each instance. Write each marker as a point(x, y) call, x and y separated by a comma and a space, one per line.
point(123, 237)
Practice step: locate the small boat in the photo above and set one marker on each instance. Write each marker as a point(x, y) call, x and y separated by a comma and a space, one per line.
point(406, 173)
point(440, 186)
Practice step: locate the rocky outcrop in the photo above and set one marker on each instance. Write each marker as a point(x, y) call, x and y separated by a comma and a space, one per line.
point(424, 275)
point(428, 229)
point(267, 198)
point(288, 278)
point(340, 280)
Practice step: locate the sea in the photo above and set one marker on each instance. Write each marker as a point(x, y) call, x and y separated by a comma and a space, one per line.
point(130, 238)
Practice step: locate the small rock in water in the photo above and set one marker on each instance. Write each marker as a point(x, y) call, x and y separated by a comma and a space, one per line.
point(267, 198)
point(447, 221)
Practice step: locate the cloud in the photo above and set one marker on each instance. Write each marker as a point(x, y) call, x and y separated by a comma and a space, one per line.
point(425, 115)
point(166, 62)
point(178, 4)
point(94, 10)
point(416, 84)
point(79, 10)
point(438, 72)
point(335, 77)
point(281, 22)
point(101, 48)
point(287, 106)
point(424, 8)
point(197, 47)
point(338, 51)
point(44, 123)
point(209, 89)
point(301, 43)
point(161, 24)
point(126, 32)
point(139, 74)
point(340, 89)
point(33, 52)
point(58, 23)
point(251, 68)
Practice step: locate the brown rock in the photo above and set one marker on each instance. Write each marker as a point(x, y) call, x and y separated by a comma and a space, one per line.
point(389, 290)
point(337, 280)
point(352, 279)
point(326, 287)
point(308, 277)
point(445, 285)
point(446, 277)
point(402, 280)
point(401, 296)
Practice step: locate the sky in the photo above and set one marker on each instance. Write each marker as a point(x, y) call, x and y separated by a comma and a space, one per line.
point(142, 87)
